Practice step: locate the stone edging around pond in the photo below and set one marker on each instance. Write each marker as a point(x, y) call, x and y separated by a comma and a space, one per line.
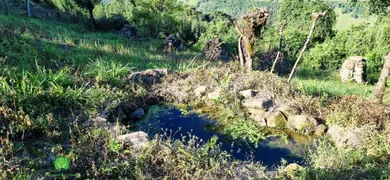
point(260, 106)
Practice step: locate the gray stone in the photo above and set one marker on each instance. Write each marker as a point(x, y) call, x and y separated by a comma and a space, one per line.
point(216, 50)
point(320, 130)
point(261, 103)
point(292, 167)
point(136, 140)
point(214, 95)
point(121, 113)
point(258, 116)
point(137, 114)
point(302, 123)
point(349, 137)
point(247, 94)
point(148, 77)
point(200, 91)
point(354, 69)
point(98, 121)
point(276, 119)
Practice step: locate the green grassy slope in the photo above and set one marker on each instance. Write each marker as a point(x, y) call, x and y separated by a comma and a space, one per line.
point(346, 20)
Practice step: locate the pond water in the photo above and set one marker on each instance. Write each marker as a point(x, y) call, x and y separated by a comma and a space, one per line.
point(269, 152)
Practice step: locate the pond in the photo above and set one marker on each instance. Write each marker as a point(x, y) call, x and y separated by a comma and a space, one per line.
point(269, 152)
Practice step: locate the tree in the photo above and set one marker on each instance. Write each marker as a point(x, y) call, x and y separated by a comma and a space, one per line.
point(315, 18)
point(6, 6)
point(253, 22)
point(90, 6)
point(381, 85)
point(28, 8)
point(282, 26)
point(380, 7)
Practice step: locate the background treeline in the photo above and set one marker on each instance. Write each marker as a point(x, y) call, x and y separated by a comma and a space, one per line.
point(200, 21)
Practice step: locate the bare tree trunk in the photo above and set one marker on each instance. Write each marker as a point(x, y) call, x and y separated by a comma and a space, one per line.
point(28, 8)
point(302, 51)
point(90, 10)
point(283, 24)
point(381, 85)
point(6, 6)
point(240, 53)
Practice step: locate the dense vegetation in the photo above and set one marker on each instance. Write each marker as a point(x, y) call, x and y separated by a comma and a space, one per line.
point(55, 77)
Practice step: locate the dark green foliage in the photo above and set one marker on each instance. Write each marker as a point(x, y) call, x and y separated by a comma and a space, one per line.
point(372, 42)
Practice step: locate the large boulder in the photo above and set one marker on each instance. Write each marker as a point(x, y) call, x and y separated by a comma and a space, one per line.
point(260, 103)
point(276, 119)
point(302, 123)
point(216, 50)
point(348, 137)
point(148, 77)
point(354, 69)
point(136, 140)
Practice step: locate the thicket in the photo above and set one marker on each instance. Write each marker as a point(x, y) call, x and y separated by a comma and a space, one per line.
point(372, 42)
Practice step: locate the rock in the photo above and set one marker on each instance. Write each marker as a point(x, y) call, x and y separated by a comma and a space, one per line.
point(148, 77)
point(137, 114)
point(136, 140)
point(292, 167)
point(214, 95)
point(121, 113)
point(266, 60)
point(354, 69)
point(288, 110)
point(276, 119)
point(200, 91)
point(216, 50)
point(247, 94)
point(302, 123)
point(320, 130)
point(261, 103)
point(130, 31)
point(350, 137)
point(258, 116)
point(173, 43)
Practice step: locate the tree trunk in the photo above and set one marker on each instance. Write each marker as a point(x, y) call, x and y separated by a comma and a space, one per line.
point(302, 51)
point(28, 8)
point(381, 85)
point(6, 6)
point(90, 9)
point(240, 53)
point(280, 46)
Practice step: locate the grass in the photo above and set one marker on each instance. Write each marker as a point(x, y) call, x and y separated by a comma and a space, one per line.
point(54, 76)
point(328, 84)
point(346, 20)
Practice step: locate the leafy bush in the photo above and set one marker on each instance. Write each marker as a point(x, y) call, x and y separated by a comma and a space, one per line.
point(364, 40)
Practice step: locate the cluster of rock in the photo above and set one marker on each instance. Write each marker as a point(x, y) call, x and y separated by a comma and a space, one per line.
point(216, 50)
point(130, 31)
point(173, 43)
point(354, 69)
point(264, 110)
point(133, 140)
point(148, 77)
point(266, 60)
